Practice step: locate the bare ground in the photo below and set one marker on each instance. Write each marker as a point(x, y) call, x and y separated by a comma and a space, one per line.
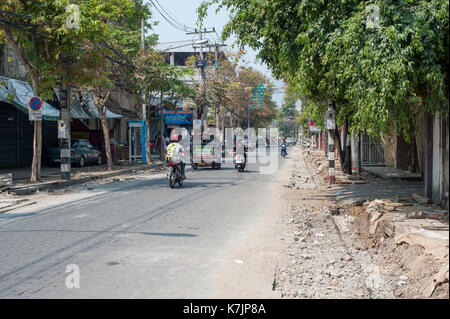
point(339, 252)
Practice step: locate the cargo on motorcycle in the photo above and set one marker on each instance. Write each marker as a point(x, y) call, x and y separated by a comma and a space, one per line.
point(174, 157)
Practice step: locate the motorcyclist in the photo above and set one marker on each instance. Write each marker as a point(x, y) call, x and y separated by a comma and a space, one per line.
point(175, 151)
point(239, 146)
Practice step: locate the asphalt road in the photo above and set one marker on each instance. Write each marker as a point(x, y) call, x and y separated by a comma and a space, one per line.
point(136, 238)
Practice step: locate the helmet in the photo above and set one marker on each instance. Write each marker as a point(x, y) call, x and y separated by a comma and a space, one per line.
point(175, 138)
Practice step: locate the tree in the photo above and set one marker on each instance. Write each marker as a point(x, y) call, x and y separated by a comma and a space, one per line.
point(41, 38)
point(287, 120)
point(154, 76)
point(231, 88)
point(36, 50)
point(376, 78)
point(108, 63)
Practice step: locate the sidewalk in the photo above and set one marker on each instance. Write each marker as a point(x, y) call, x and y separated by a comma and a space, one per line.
point(392, 173)
point(51, 180)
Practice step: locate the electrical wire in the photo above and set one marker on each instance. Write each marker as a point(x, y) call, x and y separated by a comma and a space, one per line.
point(176, 25)
point(165, 18)
point(169, 42)
point(218, 37)
point(209, 38)
point(171, 16)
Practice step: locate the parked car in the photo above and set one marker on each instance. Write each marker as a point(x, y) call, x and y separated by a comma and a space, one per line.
point(82, 153)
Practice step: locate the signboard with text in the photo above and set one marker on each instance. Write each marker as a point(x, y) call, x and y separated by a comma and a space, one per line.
point(257, 97)
point(201, 63)
point(177, 117)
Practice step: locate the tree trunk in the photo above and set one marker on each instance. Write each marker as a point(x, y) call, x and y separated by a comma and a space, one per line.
point(37, 152)
point(105, 129)
point(348, 150)
point(37, 139)
point(419, 164)
point(415, 167)
point(338, 146)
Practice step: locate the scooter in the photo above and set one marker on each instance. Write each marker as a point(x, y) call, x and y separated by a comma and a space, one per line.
point(239, 162)
point(283, 150)
point(174, 174)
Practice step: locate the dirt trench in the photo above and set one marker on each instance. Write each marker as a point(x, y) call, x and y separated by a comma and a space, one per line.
point(338, 252)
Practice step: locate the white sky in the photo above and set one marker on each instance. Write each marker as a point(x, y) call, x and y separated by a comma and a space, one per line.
point(185, 12)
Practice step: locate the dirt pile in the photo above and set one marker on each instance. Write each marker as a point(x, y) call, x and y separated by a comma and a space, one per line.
point(374, 249)
point(322, 264)
point(317, 161)
point(412, 251)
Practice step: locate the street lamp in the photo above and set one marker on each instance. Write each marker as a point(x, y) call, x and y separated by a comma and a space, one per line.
point(201, 41)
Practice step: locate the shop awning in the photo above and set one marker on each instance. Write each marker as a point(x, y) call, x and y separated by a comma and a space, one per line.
point(88, 110)
point(18, 93)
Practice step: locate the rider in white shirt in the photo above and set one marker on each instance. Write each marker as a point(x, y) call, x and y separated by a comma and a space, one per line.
point(175, 152)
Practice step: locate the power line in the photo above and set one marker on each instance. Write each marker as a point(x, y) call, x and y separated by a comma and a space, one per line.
point(218, 37)
point(169, 42)
point(174, 23)
point(165, 18)
point(171, 16)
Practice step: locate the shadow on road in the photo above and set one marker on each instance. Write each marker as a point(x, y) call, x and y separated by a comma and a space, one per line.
point(12, 215)
point(379, 190)
point(97, 231)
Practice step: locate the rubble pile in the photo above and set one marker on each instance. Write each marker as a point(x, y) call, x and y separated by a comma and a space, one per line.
point(411, 250)
point(322, 264)
point(319, 163)
point(380, 248)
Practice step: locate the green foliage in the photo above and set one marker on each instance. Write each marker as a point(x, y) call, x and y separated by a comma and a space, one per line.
point(108, 32)
point(287, 119)
point(379, 78)
point(230, 90)
point(154, 76)
point(302, 120)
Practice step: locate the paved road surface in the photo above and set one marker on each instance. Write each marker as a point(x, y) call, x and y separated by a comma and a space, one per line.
point(138, 238)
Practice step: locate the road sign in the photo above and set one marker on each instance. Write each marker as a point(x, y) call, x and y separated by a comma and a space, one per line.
point(330, 119)
point(35, 109)
point(201, 63)
point(257, 97)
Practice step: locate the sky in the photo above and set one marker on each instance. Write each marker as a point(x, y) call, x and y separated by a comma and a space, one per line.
point(184, 11)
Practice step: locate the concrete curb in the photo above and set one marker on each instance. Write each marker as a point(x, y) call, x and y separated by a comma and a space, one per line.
point(28, 189)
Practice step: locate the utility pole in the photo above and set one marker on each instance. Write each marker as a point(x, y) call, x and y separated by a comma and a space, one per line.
point(216, 51)
point(330, 125)
point(248, 121)
point(64, 122)
point(144, 105)
point(203, 114)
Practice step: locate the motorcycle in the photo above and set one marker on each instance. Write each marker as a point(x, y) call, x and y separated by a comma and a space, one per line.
point(239, 161)
point(283, 150)
point(174, 174)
